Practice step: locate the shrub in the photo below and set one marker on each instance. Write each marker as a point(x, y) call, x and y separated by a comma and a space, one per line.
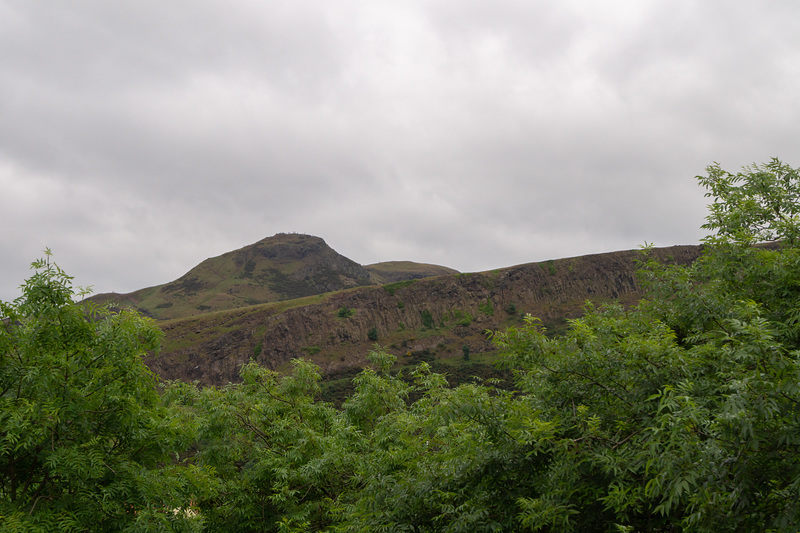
point(312, 350)
point(486, 308)
point(461, 318)
point(427, 319)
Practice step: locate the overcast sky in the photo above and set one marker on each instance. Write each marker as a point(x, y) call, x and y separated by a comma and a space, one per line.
point(138, 138)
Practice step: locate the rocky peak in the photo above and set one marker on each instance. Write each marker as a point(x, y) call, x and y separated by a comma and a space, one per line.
point(282, 267)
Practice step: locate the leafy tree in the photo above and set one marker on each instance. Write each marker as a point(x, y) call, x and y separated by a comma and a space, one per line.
point(282, 458)
point(680, 413)
point(759, 204)
point(446, 463)
point(84, 440)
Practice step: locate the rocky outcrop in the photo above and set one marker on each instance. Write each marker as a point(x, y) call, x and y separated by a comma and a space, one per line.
point(445, 312)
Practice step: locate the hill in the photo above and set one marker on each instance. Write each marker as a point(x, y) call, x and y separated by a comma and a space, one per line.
point(432, 318)
point(285, 266)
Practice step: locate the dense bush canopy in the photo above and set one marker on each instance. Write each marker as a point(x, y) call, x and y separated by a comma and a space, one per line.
point(678, 414)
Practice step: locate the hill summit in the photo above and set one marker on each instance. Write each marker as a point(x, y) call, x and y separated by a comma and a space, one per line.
point(285, 266)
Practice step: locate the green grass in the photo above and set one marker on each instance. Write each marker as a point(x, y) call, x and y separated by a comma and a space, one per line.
point(391, 288)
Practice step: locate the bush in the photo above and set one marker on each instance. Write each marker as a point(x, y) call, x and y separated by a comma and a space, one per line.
point(427, 319)
point(461, 318)
point(486, 308)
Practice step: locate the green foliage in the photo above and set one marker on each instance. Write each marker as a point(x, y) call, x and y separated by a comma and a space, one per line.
point(276, 451)
point(681, 413)
point(463, 320)
point(427, 319)
point(372, 334)
point(84, 441)
point(391, 288)
point(312, 350)
point(447, 463)
point(465, 352)
point(760, 203)
point(345, 312)
point(549, 267)
point(459, 317)
point(487, 308)
point(511, 309)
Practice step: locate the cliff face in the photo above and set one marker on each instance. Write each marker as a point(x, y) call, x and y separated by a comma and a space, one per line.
point(443, 313)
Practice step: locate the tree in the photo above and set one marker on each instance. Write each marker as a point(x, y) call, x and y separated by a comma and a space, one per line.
point(680, 413)
point(449, 462)
point(83, 440)
point(761, 203)
point(282, 458)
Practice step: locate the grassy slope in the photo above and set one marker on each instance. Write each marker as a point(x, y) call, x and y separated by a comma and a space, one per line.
point(392, 271)
point(267, 271)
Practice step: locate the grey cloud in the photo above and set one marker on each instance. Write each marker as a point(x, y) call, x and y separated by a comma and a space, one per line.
point(137, 139)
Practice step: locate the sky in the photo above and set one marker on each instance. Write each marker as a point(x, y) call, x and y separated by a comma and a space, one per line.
point(138, 138)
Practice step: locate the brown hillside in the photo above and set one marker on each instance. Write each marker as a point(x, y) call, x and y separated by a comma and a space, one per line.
point(440, 315)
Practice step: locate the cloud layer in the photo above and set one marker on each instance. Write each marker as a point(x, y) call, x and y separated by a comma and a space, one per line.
point(139, 138)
